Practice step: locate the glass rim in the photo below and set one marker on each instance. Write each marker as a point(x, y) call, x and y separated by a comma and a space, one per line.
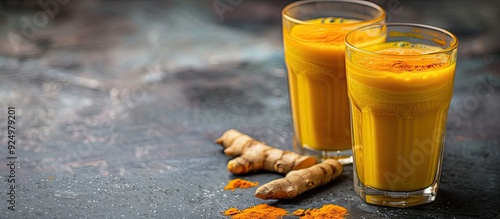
point(381, 17)
point(452, 47)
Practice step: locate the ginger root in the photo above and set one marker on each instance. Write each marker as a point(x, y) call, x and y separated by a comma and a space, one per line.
point(298, 181)
point(252, 155)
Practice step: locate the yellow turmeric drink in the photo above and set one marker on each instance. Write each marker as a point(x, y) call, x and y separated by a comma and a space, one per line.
point(399, 109)
point(315, 57)
point(313, 36)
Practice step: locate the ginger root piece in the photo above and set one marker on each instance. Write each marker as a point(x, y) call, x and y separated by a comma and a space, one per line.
point(252, 155)
point(298, 181)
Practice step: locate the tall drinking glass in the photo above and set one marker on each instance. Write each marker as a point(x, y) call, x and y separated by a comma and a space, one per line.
point(400, 83)
point(313, 35)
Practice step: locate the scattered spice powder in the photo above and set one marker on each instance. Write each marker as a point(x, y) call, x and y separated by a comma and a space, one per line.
point(327, 211)
point(299, 212)
point(260, 211)
point(232, 211)
point(240, 183)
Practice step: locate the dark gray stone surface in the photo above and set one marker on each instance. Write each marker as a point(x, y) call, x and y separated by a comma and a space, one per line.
point(118, 104)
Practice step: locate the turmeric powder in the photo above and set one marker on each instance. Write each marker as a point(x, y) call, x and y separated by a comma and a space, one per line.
point(260, 211)
point(298, 181)
point(299, 212)
point(232, 211)
point(264, 211)
point(239, 183)
point(252, 155)
point(327, 211)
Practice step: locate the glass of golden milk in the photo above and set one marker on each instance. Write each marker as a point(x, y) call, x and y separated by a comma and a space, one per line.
point(400, 84)
point(313, 35)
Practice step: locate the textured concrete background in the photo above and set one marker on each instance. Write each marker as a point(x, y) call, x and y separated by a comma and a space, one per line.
point(118, 104)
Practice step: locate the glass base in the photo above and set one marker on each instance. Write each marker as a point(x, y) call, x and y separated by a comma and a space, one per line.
point(343, 156)
point(395, 199)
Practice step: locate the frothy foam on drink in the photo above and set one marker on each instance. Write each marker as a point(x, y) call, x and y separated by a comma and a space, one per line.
point(411, 59)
